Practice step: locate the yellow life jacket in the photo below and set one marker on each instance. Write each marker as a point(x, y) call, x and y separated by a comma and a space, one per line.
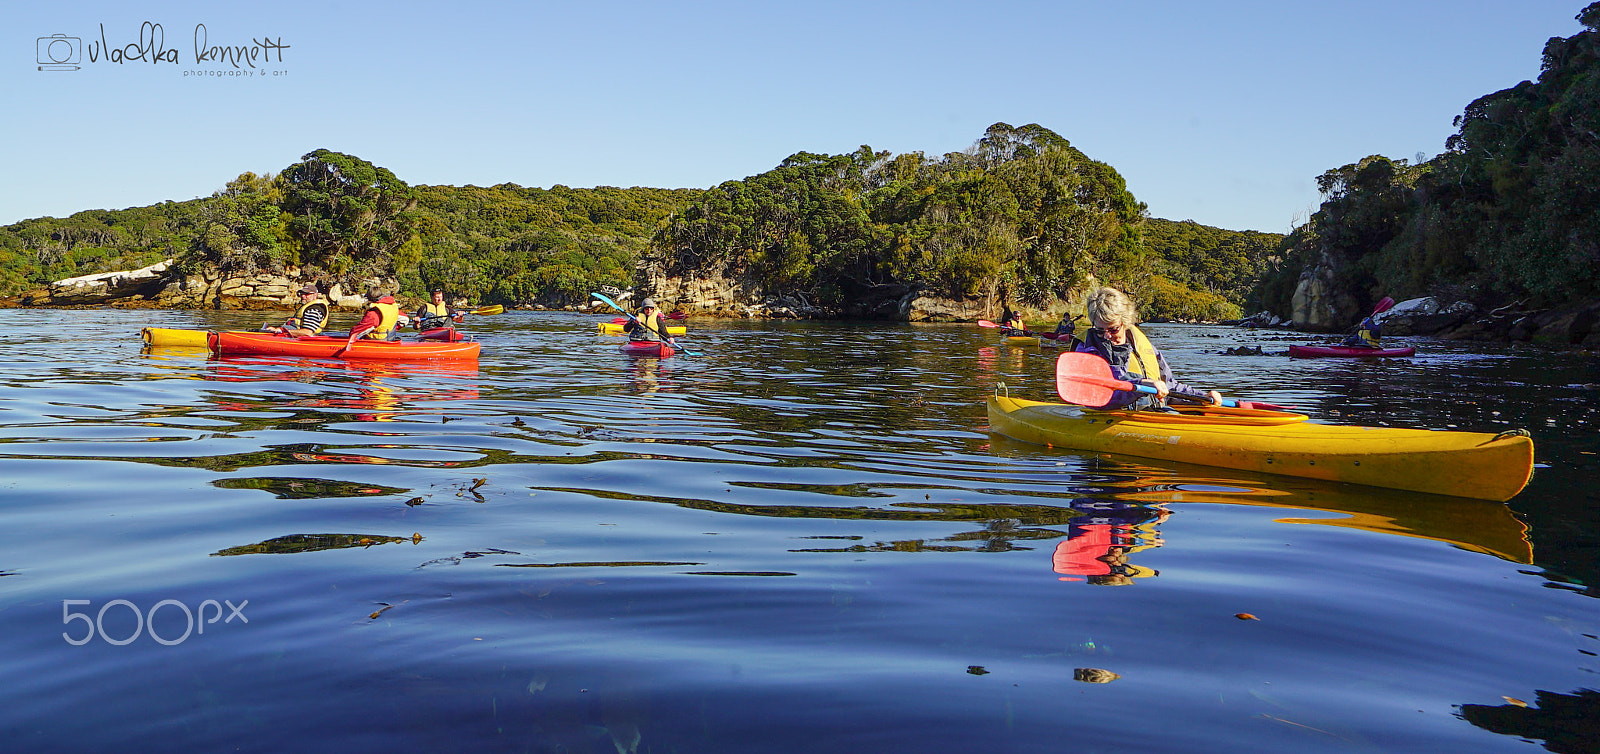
point(388, 314)
point(300, 316)
point(1367, 337)
point(431, 309)
point(1143, 359)
point(652, 325)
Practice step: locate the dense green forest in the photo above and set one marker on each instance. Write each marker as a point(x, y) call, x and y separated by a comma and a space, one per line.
point(1510, 211)
point(341, 219)
point(1227, 264)
point(1021, 216)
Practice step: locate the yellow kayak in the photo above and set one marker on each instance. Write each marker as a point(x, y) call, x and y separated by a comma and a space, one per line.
point(609, 328)
point(1464, 464)
point(162, 336)
point(1020, 340)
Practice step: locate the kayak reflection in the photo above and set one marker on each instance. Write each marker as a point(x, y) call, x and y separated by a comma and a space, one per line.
point(1476, 525)
point(297, 543)
point(649, 376)
point(388, 390)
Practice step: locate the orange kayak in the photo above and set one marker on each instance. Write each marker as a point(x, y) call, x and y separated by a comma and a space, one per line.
point(323, 347)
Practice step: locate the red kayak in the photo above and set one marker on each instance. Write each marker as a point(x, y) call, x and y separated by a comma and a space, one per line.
point(446, 334)
point(1311, 352)
point(324, 347)
point(657, 348)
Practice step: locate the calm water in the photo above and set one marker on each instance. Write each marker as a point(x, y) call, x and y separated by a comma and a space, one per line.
point(803, 540)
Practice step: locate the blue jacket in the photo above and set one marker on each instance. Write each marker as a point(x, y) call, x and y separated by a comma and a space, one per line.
point(1117, 357)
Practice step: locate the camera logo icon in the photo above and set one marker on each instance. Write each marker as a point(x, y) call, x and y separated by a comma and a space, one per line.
point(59, 52)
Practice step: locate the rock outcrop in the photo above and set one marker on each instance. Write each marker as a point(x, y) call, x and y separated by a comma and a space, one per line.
point(1318, 304)
point(1264, 319)
point(1574, 326)
point(1423, 316)
point(162, 286)
point(108, 286)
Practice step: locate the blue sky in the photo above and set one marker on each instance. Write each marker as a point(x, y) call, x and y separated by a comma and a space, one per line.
point(1220, 112)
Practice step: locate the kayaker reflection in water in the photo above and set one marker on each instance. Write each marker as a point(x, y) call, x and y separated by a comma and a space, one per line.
point(377, 322)
point(1097, 546)
point(309, 318)
point(1367, 333)
point(1113, 337)
point(649, 325)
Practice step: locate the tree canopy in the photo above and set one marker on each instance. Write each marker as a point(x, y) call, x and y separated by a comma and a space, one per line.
point(1021, 215)
point(1510, 209)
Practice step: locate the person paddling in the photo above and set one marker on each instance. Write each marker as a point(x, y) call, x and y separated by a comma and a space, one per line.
point(1067, 329)
point(309, 319)
point(1112, 336)
point(649, 325)
point(378, 321)
point(1013, 320)
point(436, 313)
point(1367, 333)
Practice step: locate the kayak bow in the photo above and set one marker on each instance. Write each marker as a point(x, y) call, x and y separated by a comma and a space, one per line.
point(658, 348)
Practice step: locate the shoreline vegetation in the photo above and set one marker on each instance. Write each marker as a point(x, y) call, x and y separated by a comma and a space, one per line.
point(1019, 219)
point(1501, 230)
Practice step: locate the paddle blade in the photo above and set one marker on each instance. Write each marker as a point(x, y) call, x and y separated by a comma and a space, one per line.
point(1085, 379)
point(1264, 406)
point(986, 323)
point(1383, 305)
point(485, 311)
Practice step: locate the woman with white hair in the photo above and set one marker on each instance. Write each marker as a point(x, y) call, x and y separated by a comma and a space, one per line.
point(1114, 337)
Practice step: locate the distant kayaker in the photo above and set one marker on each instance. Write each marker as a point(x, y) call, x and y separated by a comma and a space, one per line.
point(1068, 326)
point(1367, 333)
point(436, 313)
point(378, 321)
point(308, 319)
point(1114, 337)
point(1012, 320)
point(649, 325)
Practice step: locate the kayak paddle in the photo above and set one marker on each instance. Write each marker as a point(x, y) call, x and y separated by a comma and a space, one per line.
point(1085, 379)
point(349, 343)
point(614, 305)
point(487, 311)
point(1383, 306)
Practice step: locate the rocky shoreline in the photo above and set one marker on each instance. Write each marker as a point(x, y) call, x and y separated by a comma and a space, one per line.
point(1576, 326)
point(162, 286)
